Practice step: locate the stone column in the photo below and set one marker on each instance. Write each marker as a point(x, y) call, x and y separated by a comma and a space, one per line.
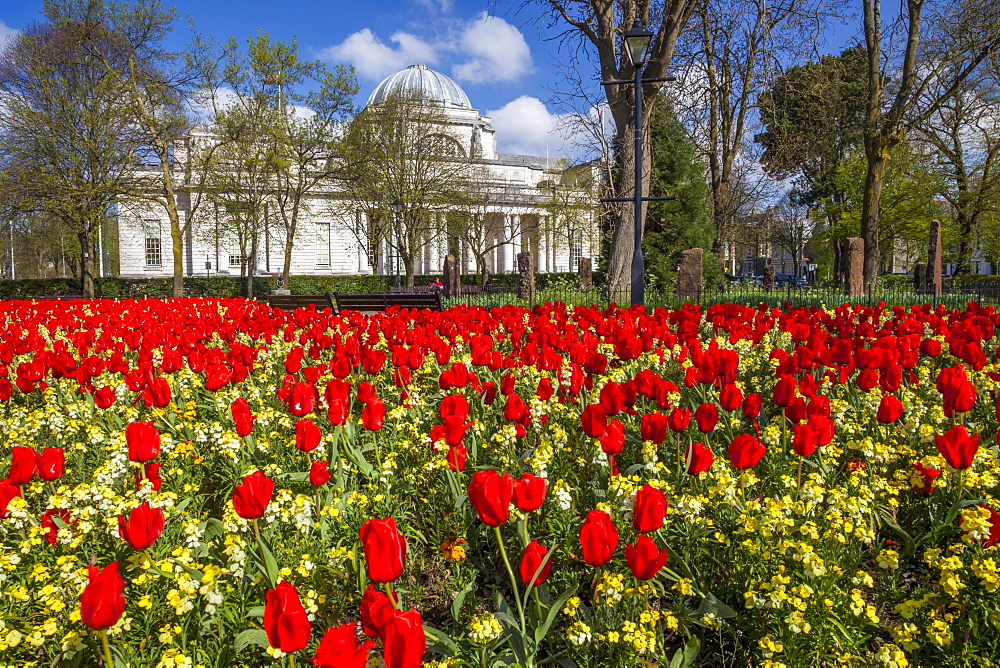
point(507, 250)
point(586, 274)
point(689, 274)
point(934, 279)
point(920, 277)
point(769, 277)
point(854, 252)
point(526, 269)
point(452, 283)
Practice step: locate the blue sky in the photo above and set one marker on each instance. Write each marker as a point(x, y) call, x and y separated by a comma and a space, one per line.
point(505, 64)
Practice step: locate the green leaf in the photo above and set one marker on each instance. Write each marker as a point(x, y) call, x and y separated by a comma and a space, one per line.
point(443, 642)
point(710, 604)
point(251, 637)
point(257, 611)
point(456, 605)
point(270, 566)
point(553, 612)
point(183, 504)
point(686, 655)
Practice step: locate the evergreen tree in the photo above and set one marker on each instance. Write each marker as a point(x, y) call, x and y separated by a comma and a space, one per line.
point(675, 226)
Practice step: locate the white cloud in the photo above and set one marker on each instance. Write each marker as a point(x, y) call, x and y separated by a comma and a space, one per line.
point(7, 33)
point(499, 51)
point(373, 59)
point(524, 126)
point(487, 48)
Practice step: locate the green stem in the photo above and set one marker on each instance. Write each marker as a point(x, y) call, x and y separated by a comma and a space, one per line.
point(392, 596)
point(106, 648)
point(256, 529)
point(538, 606)
point(798, 480)
point(291, 661)
point(513, 580)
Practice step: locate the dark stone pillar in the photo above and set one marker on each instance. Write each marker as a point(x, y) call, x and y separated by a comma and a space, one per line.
point(934, 279)
point(689, 274)
point(452, 281)
point(855, 252)
point(769, 277)
point(920, 277)
point(586, 273)
point(526, 269)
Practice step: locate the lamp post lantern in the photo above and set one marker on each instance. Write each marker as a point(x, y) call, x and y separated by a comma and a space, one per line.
point(397, 209)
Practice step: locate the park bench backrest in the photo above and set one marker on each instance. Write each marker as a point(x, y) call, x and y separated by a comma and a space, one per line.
point(292, 302)
point(380, 302)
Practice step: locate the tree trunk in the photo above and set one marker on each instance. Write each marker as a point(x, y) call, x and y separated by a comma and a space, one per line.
point(878, 160)
point(619, 276)
point(86, 264)
point(177, 243)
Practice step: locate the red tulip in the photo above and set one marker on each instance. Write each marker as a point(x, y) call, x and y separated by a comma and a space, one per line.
point(285, 621)
point(650, 509)
point(102, 601)
point(339, 648)
point(48, 523)
point(385, 549)
point(490, 494)
point(612, 398)
point(454, 406)
point(706, 416)
point(514, 408)
point(531, 561)
point(242, 417)
point(805, 439)
point(752, 404)
point(957, 447)
point(251, 498)
point(302, 399)
point(23, 465)
point(529, 492)
point(930, 347)
point(319, 473)
point(614, 438)
point(456, 457)
point(307, 435)
point(598, 538)
point(679, 419)
point(784, 390)
point(51, 464)
point(157, 392)
point(699, 458)
point(151, 472)
point(105, 397)
point(403, 640)
point(645, 558)
point(376, 608)
point(594, 420)
point(454, 429)
point(890, 409)
point(217, 376)
point(653, 428)
point(7, 492)
point(373, 414)
point(922, 479)
point(730, 397)
point(544, 391)
point(143, 526)
point(745, 451)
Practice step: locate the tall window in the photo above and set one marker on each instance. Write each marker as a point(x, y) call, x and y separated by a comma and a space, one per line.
point(235, 257)
point(575, 250)
point(154, 253)
point(323, 244)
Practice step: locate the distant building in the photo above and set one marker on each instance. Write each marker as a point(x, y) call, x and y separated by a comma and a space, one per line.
point(325, 243)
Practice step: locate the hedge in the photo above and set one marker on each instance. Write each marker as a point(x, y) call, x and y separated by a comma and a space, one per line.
point(231, 286)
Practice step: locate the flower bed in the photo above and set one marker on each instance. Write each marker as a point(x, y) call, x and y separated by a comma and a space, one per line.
point(210, 482)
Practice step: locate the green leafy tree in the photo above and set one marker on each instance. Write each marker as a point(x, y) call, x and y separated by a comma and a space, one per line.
point(674, 226)
point(912, 181)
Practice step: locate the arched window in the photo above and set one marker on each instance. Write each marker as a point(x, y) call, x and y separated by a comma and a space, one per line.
point(443, 145)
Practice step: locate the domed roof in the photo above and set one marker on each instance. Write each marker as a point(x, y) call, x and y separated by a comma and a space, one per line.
point(423, 82)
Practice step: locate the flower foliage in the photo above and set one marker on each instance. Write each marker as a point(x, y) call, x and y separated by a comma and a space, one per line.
point(215, 483)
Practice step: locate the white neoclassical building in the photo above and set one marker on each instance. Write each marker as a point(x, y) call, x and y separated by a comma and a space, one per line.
point(556, 223)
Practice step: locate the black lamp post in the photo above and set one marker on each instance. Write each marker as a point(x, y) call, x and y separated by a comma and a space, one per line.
point(637, 41)
point(397, 209)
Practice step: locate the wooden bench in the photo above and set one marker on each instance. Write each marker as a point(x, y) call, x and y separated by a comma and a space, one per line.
point(61, 298)
point(380, 302)
point(292, 302)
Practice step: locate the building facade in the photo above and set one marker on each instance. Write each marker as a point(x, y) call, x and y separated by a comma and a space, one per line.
point(545, 210)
